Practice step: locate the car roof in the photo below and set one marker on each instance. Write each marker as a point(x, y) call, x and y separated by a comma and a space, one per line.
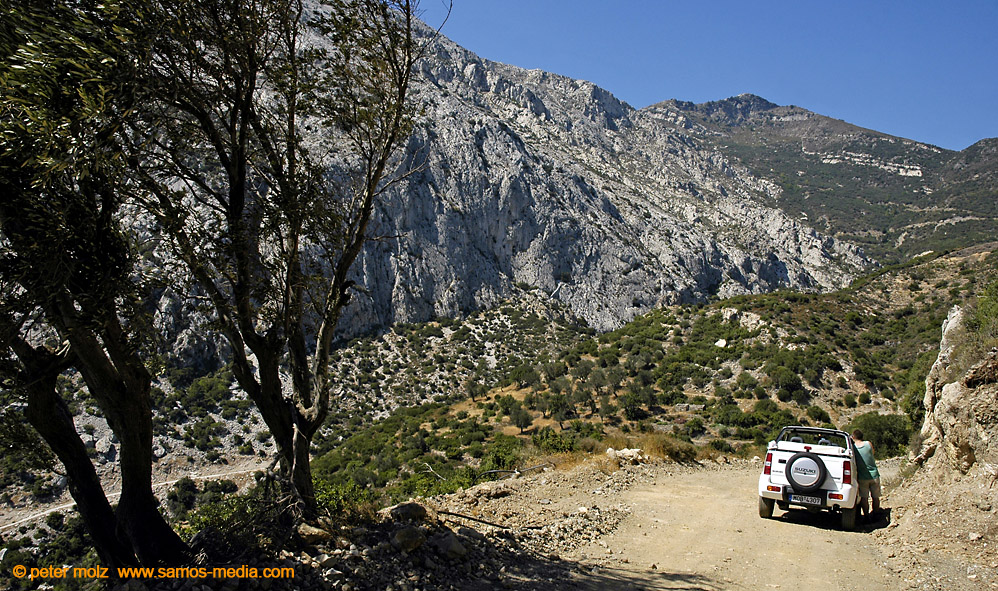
point(815, 430)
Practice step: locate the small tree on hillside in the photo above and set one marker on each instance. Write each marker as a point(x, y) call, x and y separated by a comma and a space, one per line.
point(267, 143)
point(521, 418)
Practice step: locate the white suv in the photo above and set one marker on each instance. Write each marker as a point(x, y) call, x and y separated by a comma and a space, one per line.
point(811, 468)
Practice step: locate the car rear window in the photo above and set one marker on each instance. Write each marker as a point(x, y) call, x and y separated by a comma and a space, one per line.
point(815, 438)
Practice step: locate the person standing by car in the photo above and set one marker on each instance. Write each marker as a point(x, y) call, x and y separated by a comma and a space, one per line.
point(867, 474)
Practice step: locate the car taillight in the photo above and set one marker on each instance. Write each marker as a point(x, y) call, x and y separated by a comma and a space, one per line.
point(835, 496)
point(768, 466)
point(847, 472)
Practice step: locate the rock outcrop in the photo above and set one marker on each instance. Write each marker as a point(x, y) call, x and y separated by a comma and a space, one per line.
point(942, 528)
point(960, 430)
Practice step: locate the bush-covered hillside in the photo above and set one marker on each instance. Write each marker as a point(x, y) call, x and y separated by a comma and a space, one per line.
point(725, 376)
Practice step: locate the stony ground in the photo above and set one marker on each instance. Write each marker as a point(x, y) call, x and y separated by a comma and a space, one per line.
point(943, 533)
point(654, 525)
point(646, 526)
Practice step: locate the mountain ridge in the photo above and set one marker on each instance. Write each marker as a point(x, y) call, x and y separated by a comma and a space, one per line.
point(548, 181)
point(524, 178)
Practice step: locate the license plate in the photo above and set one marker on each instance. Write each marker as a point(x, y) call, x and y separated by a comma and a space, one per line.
point(805, 500)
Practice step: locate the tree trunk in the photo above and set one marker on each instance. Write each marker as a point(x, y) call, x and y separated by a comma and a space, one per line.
point(118, 379)
point(49, 415)
point(139, 518)
point(301, 475)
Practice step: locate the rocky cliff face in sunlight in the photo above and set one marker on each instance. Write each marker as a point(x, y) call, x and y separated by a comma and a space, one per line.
point(532, 178)
point(960, 431)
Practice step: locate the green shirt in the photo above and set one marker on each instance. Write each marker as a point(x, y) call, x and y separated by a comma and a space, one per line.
point(866, 467)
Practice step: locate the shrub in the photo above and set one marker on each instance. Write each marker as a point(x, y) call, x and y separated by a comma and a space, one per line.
point(551, 441)
point(721, 445)
point(818, 414)
point(339, 498)
point(55, 520)
point(182, 497)
point(666, 446)
point(694, 427)
point(503, 454)
point(889, 434)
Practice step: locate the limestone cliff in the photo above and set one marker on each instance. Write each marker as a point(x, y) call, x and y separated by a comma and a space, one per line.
point(527, 177)
point(960, 430)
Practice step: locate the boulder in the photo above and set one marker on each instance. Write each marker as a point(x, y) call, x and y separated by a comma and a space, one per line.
point(626, 455)
point(410, 512)
point(313, 535)
point(407, 539)
point(450, 547)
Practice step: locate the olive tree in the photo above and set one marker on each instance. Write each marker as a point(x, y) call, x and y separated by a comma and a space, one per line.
point(269, 134)
point(68, 293)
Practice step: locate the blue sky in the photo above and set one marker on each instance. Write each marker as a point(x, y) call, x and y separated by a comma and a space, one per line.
point(924, 69)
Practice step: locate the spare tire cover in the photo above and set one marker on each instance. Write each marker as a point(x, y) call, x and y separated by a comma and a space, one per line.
point(806, 472)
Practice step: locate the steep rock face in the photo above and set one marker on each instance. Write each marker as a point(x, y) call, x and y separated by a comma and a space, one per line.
point(960, 430)
point(532, 178)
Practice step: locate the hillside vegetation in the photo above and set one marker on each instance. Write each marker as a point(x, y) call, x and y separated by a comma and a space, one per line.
point(436, 407)
point(895, 197)
point(684, 380)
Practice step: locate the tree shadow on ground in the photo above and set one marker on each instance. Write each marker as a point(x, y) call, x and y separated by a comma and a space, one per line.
point(524, 570)
point(498, 561)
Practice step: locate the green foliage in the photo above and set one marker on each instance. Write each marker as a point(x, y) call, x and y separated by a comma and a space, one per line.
point(55, 520)
point(524, 375)
point(521, 418)
point(67, 543)
point(341, 498)
point(24, 452)
point(551, 441)
point(204, 434)
point(185, 495)
point(182, 497)
point(503, 454)
point(254, 520)
point(818, 414)
point(721, 445)
point(889, 434)
point(694, 427)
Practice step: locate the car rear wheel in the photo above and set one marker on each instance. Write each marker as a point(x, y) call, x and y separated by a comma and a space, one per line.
point(766, 507)
point(806, 472)
point(849, 519)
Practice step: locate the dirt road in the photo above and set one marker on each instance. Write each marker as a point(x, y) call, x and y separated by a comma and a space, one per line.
point(701, 530)
point(12, 518)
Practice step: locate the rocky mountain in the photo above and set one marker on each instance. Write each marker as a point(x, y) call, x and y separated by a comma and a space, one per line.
point(895, 197)
point(533, 178)
point(526, 177)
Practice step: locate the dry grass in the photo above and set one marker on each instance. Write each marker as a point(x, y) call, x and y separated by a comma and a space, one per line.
point(617, 441)
point(667, 447)
point(605, 464)
point(568, 460)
